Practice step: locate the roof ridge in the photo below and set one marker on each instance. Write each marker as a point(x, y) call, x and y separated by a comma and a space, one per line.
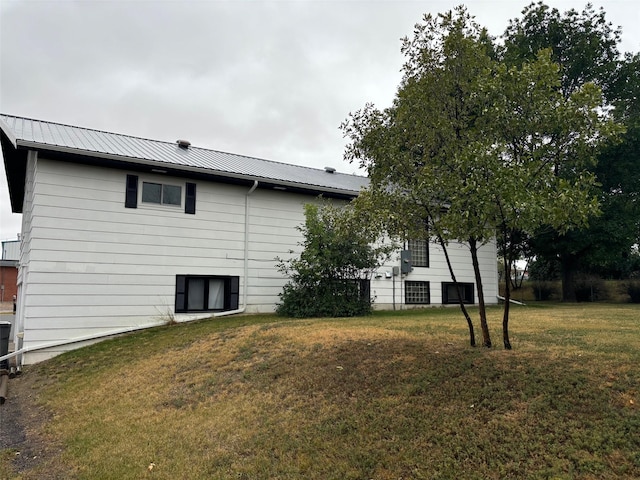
point(168, 143)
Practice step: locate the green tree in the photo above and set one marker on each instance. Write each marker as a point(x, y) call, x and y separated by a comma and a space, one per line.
point(535, 132)
point(584, 45)
point(331, 276)
point(414, 150)
point(471, 145)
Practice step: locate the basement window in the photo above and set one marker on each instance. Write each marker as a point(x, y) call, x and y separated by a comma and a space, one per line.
point(161, 194)
point(416, 293)
point(450, 293)
point(202, 293)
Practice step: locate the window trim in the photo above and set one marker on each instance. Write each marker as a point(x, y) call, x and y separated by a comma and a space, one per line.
point(417, 283)
point(231, 293)
point(468, 293)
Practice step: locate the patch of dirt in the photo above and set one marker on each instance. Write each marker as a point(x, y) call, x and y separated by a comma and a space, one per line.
point(22, 423)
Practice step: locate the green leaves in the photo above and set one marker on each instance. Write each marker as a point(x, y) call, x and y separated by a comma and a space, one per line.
point(597, 85)
point(583, 44)
point(483, 140)
point(339, 253)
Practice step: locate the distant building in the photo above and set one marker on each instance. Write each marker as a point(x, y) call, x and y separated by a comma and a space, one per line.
point(11, 249)
point(9, 270)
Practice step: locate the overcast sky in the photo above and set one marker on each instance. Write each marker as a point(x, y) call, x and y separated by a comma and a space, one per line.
point(271, 79)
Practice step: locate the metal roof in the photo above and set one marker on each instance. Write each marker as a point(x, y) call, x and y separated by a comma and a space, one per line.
point(26, 133)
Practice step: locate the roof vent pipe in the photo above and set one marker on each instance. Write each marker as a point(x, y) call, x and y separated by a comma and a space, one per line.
point(329, 169)
point(183, 143)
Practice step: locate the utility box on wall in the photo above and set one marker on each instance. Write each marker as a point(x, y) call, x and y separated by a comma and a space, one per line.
point(405, 261)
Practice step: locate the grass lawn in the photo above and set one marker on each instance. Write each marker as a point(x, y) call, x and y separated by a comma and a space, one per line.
point(393, 396)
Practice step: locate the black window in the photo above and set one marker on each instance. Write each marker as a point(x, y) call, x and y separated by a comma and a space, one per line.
point(419, 252)
point(416, 293)
point(201, 293)
point(450, 293)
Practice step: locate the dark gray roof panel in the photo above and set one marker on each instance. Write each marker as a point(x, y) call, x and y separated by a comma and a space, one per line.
point(39, 134)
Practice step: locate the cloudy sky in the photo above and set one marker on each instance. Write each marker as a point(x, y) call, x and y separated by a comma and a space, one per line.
point(271, 79)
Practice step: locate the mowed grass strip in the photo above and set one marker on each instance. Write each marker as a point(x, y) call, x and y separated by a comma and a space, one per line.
point(391, 396)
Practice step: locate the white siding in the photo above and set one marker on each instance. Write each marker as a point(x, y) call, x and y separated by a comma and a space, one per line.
point(436, 273)
point(95, 266)
point(25, 248)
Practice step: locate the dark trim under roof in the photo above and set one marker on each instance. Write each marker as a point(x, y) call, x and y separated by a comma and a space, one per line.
point(82, 145)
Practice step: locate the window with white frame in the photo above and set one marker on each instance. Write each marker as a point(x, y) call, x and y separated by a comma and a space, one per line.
point(161, 193)
point(419, 252)
point(416, 293)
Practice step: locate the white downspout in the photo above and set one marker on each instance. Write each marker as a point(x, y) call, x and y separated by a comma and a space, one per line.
point(245, 289)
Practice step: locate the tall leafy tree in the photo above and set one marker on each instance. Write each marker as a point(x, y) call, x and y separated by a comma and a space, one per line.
point(471, 145)
point(414, 150)
point(534, 132)
point(584, 45)
point(615, 234)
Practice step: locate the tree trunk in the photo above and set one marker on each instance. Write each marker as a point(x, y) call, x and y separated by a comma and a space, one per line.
point(486, 337)
point(569, 265)
point(507, 305)
point(472, 336)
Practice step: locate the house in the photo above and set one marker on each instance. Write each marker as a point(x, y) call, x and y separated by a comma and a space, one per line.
point(121, 233)
point(9, 270)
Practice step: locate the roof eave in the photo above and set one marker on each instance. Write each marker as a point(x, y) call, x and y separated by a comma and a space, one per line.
point(15, 167)
point(318, 189)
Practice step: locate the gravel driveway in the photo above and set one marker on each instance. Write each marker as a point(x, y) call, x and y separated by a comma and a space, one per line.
point(21, 427)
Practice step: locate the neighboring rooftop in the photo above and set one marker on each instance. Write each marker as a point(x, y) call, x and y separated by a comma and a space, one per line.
point(10, 250)
point(55, 138)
